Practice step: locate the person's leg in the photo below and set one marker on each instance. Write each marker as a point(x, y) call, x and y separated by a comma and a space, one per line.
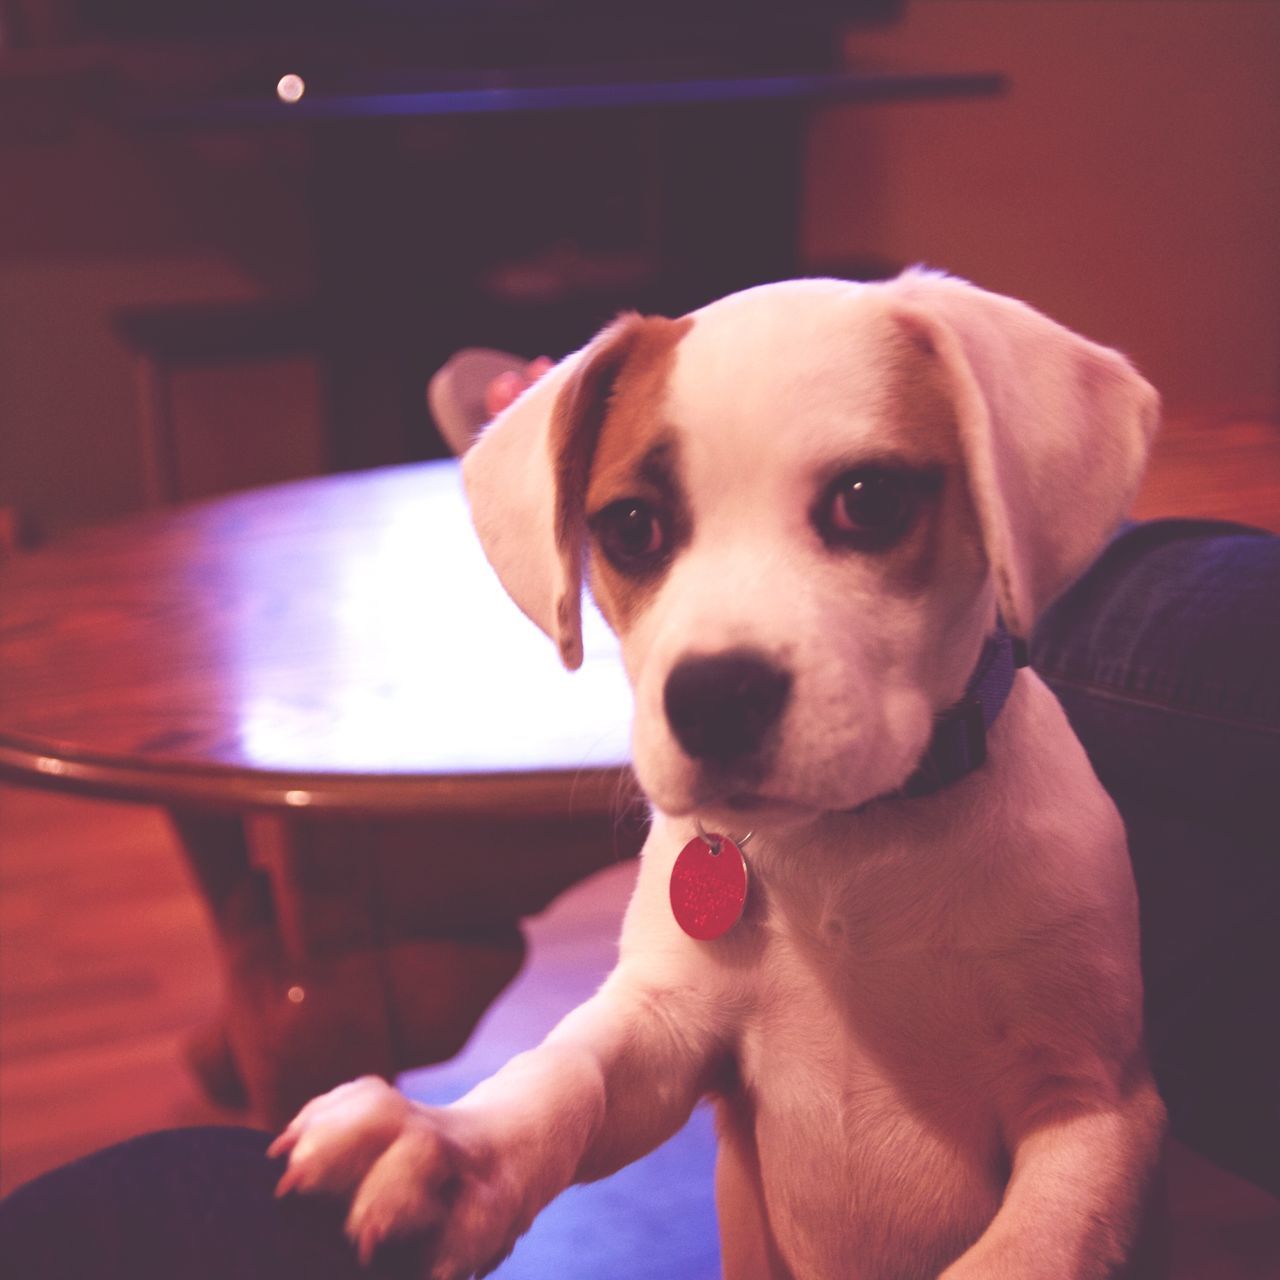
point(1166, 657)
point(195, 1204)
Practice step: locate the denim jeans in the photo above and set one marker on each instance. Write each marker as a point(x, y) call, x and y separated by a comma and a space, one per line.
point(186, 1204)
point(1166, 656)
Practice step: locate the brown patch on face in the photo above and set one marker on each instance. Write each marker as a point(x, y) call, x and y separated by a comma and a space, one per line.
point(635, 457)
point(577, 418)
point(925, 431)
point(633, 422)
point(920, 409)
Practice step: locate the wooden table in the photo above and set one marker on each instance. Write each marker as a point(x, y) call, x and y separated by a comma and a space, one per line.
point(375, 764)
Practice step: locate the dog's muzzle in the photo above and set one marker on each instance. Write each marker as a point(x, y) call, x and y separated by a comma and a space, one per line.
point(721, 708)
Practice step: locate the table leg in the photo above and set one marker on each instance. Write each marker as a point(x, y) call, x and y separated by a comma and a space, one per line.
point(209, 1054)
point(354, 946)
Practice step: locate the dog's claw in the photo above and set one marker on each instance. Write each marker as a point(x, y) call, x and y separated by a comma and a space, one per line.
point(282, 1144)
point(367, 1242)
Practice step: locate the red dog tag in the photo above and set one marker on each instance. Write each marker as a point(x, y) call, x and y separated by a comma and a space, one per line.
point(709, 887)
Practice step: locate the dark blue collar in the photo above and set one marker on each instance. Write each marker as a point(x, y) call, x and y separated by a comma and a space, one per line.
point(959, 742)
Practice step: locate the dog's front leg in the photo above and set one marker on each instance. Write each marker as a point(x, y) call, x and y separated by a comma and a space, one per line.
point(616, 1077)
point(1078, 1193)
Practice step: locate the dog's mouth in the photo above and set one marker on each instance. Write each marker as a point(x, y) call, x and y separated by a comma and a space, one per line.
point(726, 802)
point(738, 795)
point(746, 808)
point(752, 802)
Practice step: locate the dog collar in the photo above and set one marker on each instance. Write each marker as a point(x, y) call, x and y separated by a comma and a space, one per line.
point(959, 742)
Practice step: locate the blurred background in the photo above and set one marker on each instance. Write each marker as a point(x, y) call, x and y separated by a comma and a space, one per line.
point(189, 266)
point(237, 238)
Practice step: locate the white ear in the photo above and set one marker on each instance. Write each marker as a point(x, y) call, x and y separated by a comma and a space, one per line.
point(526, 481)
point(1054, 431)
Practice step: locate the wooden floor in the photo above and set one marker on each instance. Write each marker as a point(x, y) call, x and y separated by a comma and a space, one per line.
point(106, 966)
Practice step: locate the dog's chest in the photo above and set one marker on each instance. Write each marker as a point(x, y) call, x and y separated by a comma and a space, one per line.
point(866, 1088)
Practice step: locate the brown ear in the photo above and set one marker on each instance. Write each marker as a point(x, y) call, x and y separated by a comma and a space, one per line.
point(526, 479)
point(1054, 432)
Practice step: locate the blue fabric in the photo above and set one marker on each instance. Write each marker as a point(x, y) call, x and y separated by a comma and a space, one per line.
point(1168, 653)
point(199, 1204)
point(1166, 657)
point(187, 1204)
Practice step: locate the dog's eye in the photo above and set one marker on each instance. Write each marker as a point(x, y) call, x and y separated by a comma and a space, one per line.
point(631, 534)
point(868, 509)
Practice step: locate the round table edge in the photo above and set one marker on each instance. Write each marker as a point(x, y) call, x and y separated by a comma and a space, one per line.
point(179, 785)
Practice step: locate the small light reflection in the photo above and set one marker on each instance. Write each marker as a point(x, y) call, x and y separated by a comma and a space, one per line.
point(290, 88)
point(296, 995)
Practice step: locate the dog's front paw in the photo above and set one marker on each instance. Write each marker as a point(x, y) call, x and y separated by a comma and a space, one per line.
point(410, 1171)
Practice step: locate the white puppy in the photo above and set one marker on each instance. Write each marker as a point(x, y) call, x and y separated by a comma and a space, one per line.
point(809, 511)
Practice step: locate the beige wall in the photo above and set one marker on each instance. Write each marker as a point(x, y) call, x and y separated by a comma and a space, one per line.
point(70, 444)
point(93, 221)
point(1128, 183)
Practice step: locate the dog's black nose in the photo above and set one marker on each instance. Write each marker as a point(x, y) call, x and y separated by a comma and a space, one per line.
point(720, 708)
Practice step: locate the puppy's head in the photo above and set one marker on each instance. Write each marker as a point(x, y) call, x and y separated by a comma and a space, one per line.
point(800, 509)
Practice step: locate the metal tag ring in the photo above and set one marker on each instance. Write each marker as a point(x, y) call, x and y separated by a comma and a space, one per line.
point(712, 843)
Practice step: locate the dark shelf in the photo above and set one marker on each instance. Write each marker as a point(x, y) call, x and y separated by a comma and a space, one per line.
point(518, 97)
